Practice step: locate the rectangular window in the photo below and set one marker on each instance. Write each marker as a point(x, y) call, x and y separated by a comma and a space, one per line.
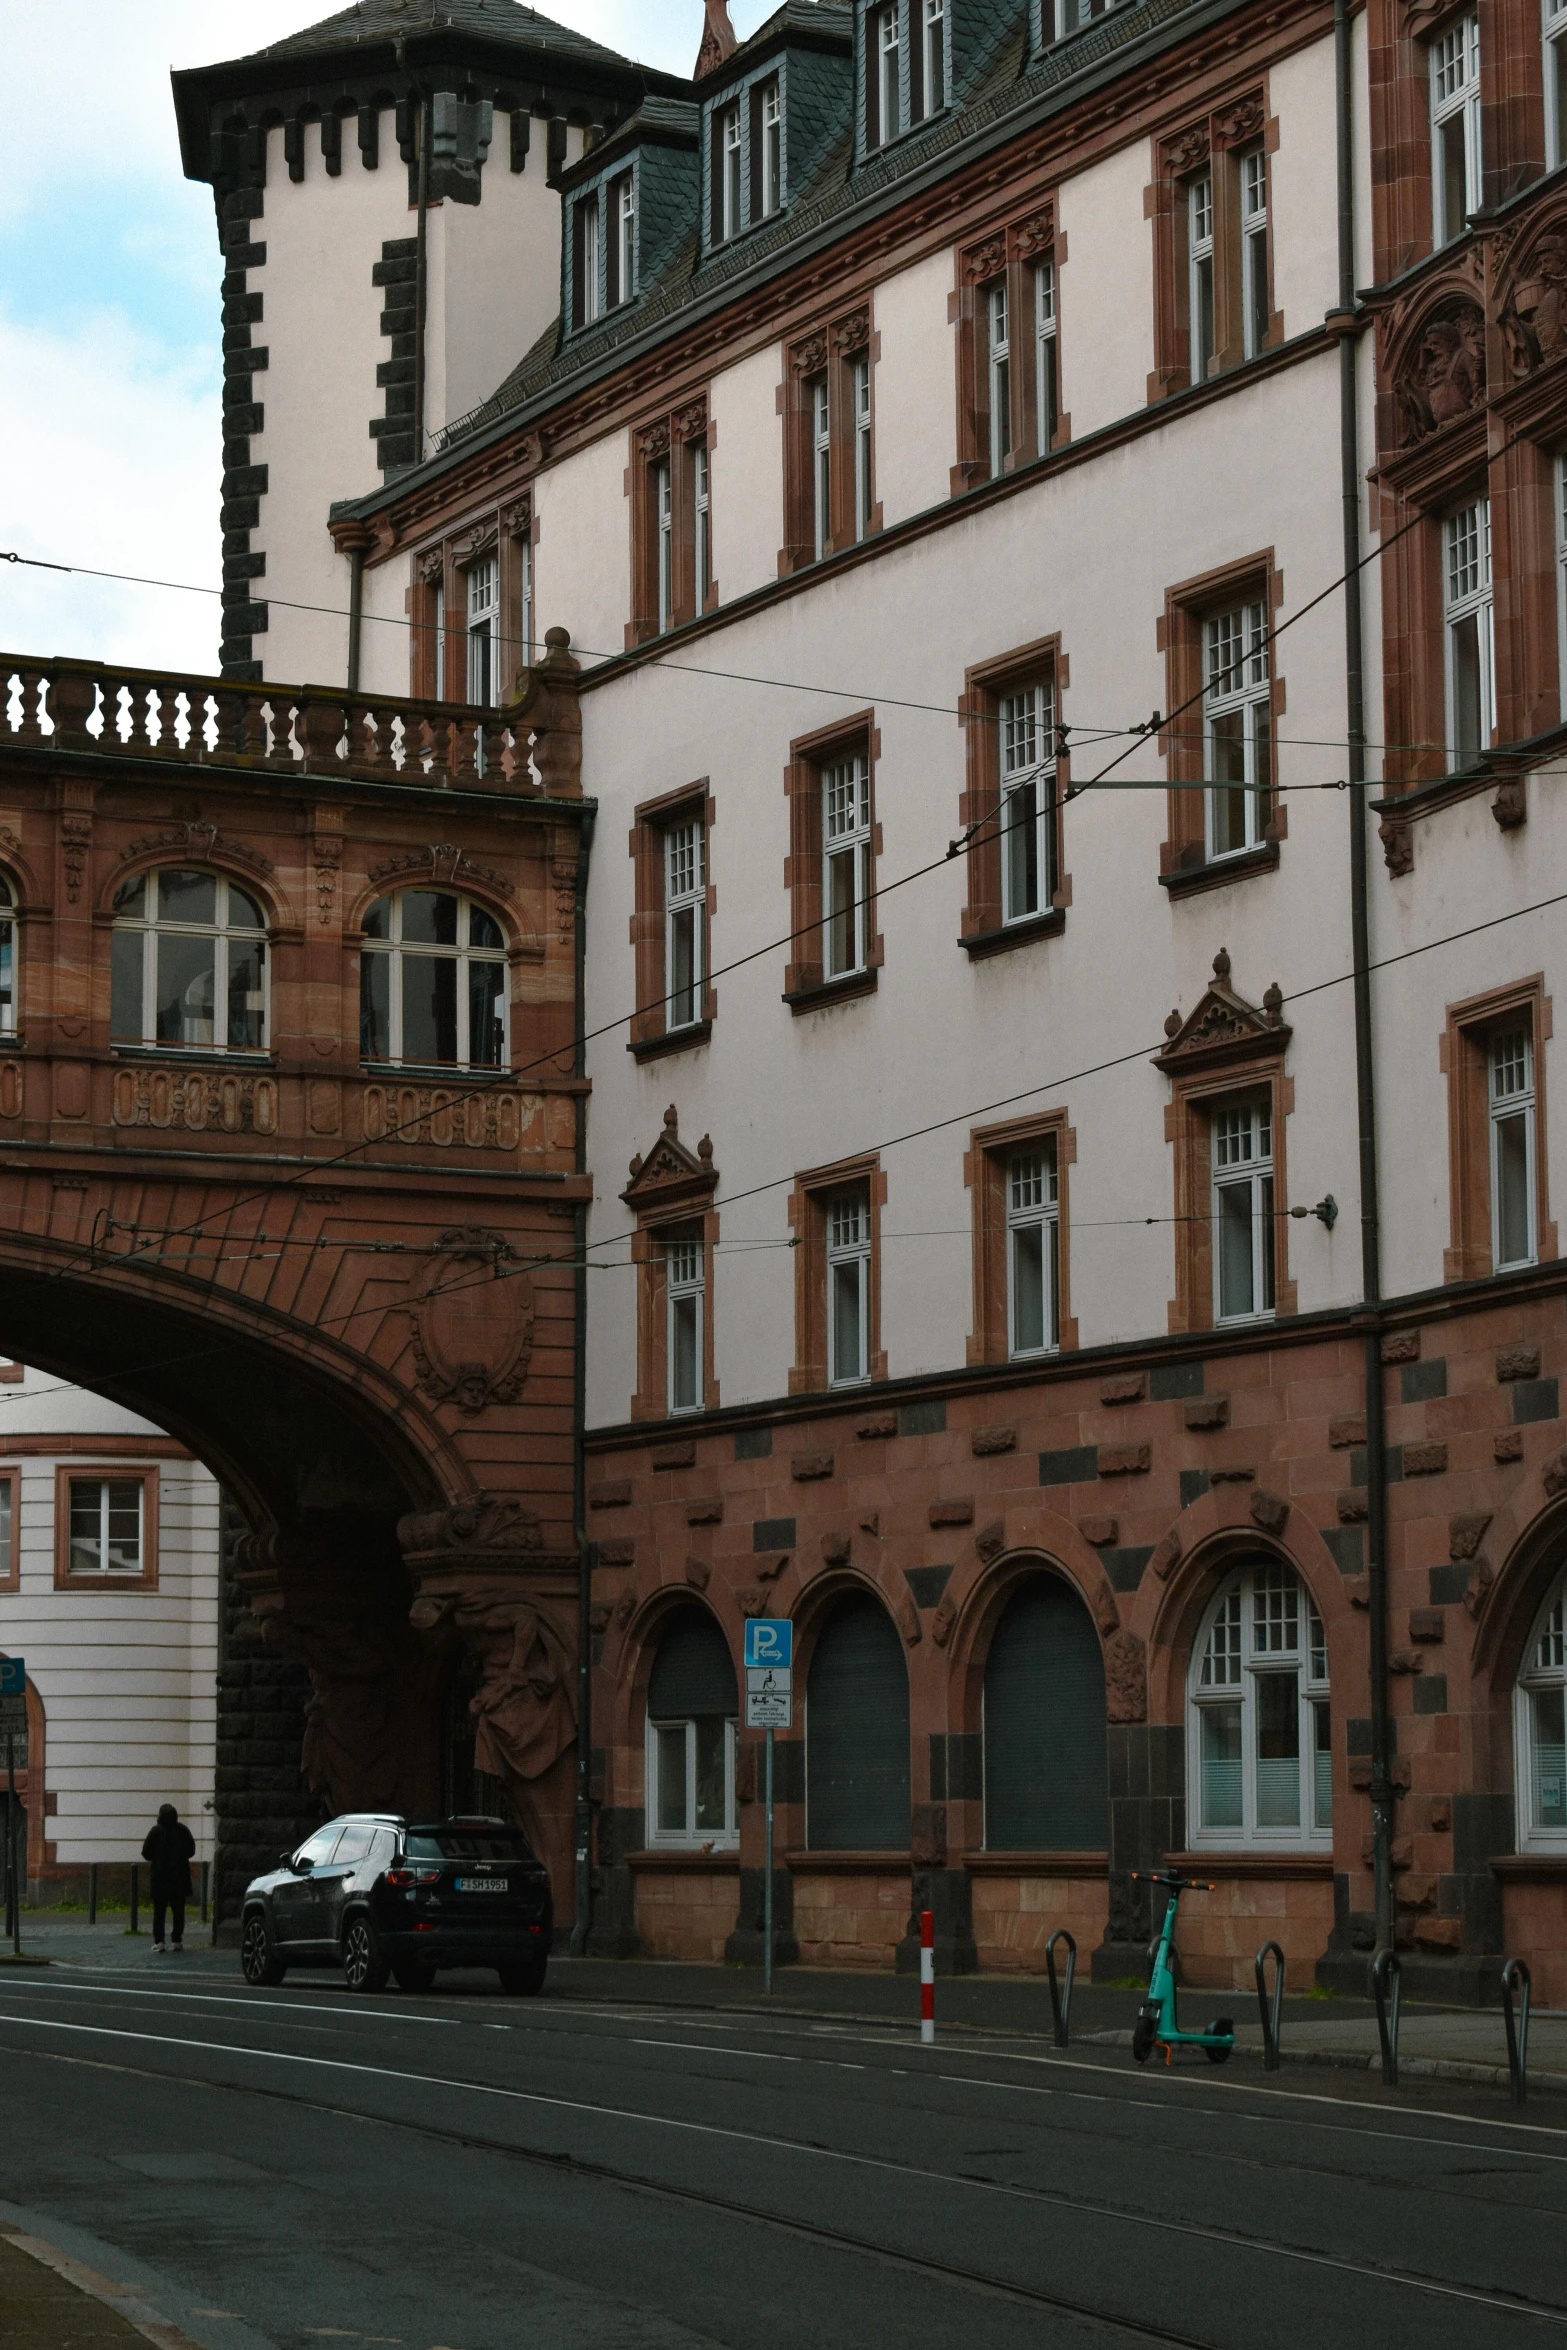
point(848, 1288)
point(1467, 634)
point(483, 622)
point(1028, 814)
point(1033, 1245)
point(1236, 729)
point(685, 921)
point(664, 529)
point(998, 329)
point(1243, 1252)
point(1555, 12)
point(622, 257)
point(691, 1781)
point(1455, 128)
point(587, 260)
point(885, 54)
point(704, 538)
point(860, 397)
point(727, 164)
point(686, 1285)
point(1254, 250)
point(821, 462)
point(1047, 393)
point(8, 1575)
point(525, 598)
point(1512, 1149)
point(105, 1526)
point(1199, 246)
point(933, 59)
point(440, 643)
point(846, 866)
point(766, 151)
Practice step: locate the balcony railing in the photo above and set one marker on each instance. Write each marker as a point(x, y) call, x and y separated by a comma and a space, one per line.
point(282, 729)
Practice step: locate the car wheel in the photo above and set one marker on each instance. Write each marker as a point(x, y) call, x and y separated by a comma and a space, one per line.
point(412, 1975)
point(258, 1959)
point(364, 1966)
point(524, 1979)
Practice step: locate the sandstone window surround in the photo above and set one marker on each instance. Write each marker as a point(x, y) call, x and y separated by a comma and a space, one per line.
point(692, 1712)
point(1226, 1058)
point(1540, 1730)
point(830, 871)
point(1017, 772)
point(105, 1528)
point(668, 485)
point(1493, 1057)
point(433, 982)
point(835, 1213)
point(478, 582)
point(669, 842)
point(1213, 269)
point(1259, 1717)
point(1453, 63)
point(1226, 698)
point(828, 403)
point(1005, 313)
point(670, 1194)
point(188, 964)
point(1003, 1168)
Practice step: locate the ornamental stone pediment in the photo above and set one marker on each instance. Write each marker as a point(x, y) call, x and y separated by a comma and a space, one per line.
point(1223, 1027)
point(671, 1177)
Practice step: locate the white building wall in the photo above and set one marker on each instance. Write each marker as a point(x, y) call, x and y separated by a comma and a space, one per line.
point(747, 472)
point(916, 434)
point(1104, 291)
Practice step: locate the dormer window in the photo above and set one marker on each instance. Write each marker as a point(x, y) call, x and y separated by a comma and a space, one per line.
point(766, 150)
point(908, 67)
point(587, 247)
point(728, 175)
point(622, 257)
point(884, 51)
point(931, 86)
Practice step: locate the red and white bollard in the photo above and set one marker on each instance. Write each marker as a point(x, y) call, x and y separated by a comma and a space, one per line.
point(927, 1976)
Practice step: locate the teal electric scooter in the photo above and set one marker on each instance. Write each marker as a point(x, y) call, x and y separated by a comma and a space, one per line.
point(1157, 2024)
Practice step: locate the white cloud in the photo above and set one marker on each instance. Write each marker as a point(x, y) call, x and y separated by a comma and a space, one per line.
point(115, 463)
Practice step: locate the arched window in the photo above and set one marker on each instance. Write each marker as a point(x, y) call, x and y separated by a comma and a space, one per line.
point(691, 1708)
point(8, 990)
point(857, 1734)
point(432, 981)
point(1260, 1739)
point(189, 963)
point(1046, 1776)
point(1540, 1734)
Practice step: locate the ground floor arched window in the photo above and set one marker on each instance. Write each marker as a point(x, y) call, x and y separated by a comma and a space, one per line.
point(1046, 1775)
point(1259, 1718)
point(692, 1707)
point(1540, 1729)
point(857, 1733)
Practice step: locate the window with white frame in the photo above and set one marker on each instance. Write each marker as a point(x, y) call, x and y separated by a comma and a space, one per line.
point(728, 181)
point(846, 865)
point(1237, 729)
point(701, 496)
point(692, 1704)
point(1068, 16)
point(1047, 391)
point(1033, 1251)
point(686, 1286)
point(1467, 633)
point(483, 625)
point(933, 57)
point(887, 42)
point(525, 595)
point(1254, 250)
point(1540, 1730)
point(588, 259)
point(7, 1527)
point(432, 981)
point(105, 1532)
point(1510, 1059)
point(1243, 1236)
point(860, 403)
point(1555, 29)
point(1026, 719)
point(1199, 246)
point(188, 963)
point(998, 332)
point(1559, 478)
point(768, 121)
point(1260, 1725)
point(664, 527)
point(821, 462)
point(440, 641)
point(685, 920)
point(1455, 127)
point(8, 973)
point(848, 1288)
point(622, 256)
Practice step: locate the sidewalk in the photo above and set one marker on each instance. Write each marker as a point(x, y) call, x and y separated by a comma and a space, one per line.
point(49, 2302)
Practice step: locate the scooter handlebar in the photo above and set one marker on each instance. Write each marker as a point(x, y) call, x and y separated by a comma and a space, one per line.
point(1175, 1881)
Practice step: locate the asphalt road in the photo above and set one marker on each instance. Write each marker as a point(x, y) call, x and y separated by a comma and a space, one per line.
point(298, 2168)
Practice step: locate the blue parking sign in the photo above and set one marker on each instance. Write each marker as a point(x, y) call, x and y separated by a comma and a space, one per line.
point(769, 1640)
point(13, 1676)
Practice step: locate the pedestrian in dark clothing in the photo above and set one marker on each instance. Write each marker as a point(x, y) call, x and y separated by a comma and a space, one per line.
point(168, 1852)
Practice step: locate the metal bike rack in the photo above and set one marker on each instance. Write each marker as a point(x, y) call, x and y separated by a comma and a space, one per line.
point(1272, 2009)
point(92, 1893)
point(1515, 1979)
point(1061, 2001)
point(135, 1897)
point(1384, 1966)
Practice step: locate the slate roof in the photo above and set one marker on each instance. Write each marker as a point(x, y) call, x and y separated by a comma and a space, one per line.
point(507, 21)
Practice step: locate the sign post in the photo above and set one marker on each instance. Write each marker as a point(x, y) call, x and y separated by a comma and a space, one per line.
point(13, 1721)
point(769, 1706)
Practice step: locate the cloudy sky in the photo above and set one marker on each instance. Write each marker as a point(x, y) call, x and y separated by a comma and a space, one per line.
point(109, 335)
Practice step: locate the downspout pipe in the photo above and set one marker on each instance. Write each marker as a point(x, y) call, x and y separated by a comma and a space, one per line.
point(586, 1551)
point(356, 599)
point(422, 270)
point(1382, 1796)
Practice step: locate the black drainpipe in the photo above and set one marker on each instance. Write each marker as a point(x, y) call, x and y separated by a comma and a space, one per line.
point(421, 270)
point(1360, 923)
point(356, 598)
point(579, 1465)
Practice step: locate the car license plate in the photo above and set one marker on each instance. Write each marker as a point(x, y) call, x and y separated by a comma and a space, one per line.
point(481, 1885)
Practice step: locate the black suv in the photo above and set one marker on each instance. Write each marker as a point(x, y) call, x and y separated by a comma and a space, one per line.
point(379, 1895)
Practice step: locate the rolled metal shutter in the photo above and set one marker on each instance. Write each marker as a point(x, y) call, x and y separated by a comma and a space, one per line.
point(1046, 1778)
point(693, 1672)
point(857, 1734)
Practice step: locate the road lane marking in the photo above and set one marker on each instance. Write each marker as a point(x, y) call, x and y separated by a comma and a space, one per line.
point(1433, 2288)
point(701, 2048)
point(256, 2005)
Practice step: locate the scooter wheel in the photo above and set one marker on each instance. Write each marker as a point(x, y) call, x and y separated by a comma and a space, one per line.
point(1143, 2038)
point(1218, 2052)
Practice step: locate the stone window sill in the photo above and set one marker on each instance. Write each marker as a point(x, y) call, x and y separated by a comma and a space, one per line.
point(674, 1040)
point(804, 1863)
point(676, 1860)
point(823, 992)
point(1036, 1864)
point(1189, 880)
point(981, 943)
point(1252, 1864)
point(193, 1055)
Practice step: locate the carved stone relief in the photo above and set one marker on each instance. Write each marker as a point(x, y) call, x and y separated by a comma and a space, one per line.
point(202, 1101)
point(472, 1326)
point(1442, 378)
point(1534, 309)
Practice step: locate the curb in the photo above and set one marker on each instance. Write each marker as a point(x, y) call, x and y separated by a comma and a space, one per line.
point(1410, 2068)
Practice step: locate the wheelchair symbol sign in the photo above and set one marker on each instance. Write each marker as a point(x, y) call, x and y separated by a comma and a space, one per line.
point(769, 1640)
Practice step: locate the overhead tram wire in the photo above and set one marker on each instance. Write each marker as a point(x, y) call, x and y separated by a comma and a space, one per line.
point(912, 1134)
